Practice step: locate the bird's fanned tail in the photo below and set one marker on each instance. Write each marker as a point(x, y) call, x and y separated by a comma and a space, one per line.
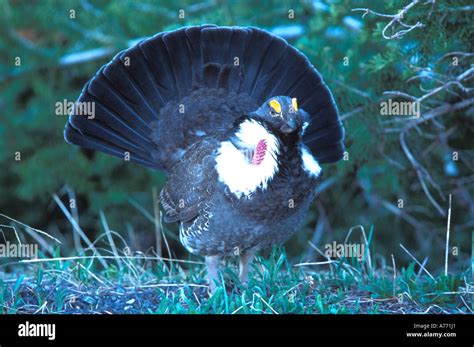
point(131, 91)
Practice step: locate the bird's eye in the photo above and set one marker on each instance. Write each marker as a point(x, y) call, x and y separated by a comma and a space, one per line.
point(273, 113)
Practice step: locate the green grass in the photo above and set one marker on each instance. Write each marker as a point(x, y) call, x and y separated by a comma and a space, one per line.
point(146, 284)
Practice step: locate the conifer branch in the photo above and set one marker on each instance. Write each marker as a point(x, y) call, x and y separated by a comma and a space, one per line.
point(396, 19)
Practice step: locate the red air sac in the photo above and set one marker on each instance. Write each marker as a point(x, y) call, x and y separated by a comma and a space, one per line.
point(259, 153)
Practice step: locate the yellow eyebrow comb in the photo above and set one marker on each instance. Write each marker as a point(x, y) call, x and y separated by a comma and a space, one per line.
point(275, 105)
point(294, 103)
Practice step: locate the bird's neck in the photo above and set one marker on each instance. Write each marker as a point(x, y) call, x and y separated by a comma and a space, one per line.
point(249, 160)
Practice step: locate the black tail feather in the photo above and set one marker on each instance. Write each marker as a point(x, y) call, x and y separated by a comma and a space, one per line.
point(211, 73)
point(75, 136)
point(141, 74)
point(181, 63)
point(255, 51)
point(156, 56)
point(229, 78)
point(122, 82)
point(117, 109)
point(269, 71)
point(193, 40)
point(215, 44)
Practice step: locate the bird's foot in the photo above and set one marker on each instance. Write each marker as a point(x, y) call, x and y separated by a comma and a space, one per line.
point(244, 265)
point(212, 264)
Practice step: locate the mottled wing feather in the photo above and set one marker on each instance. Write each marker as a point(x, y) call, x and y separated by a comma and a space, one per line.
point(191, 182)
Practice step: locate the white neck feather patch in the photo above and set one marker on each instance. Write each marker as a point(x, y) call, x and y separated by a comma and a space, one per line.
point(235, 170)
point(310, 164)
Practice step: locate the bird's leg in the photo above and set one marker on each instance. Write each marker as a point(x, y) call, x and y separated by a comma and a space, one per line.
point(212, 264)
point(245, 260)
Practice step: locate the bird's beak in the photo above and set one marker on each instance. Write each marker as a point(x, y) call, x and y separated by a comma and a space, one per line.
point(289, 127)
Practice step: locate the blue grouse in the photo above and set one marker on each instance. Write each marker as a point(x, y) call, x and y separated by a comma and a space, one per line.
point(237, 118)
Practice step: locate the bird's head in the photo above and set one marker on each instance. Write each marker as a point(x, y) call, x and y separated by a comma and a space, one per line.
point(283, 114)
